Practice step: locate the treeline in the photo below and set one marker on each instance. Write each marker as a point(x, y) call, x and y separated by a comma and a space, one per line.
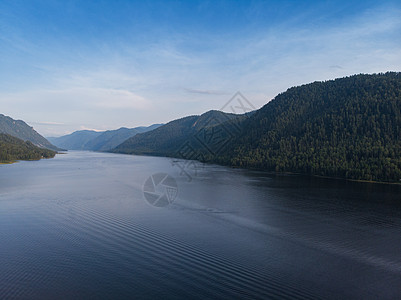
point(12, 149)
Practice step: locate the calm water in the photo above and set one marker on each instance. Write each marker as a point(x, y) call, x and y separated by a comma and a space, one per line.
point(78, 227)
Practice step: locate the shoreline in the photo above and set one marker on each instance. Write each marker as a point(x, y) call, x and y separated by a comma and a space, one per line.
point(18, 160)
point(314, 176)
point(357, 180)
point(270, 172)
point(7, 162)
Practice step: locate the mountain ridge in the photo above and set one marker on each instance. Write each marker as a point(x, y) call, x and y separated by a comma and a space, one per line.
point(23, 131)
point(348, 128)
point(98, 140)
point(76, 140)
point(172, 136)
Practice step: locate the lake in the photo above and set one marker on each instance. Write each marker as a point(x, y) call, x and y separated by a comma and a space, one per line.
point(80, 226)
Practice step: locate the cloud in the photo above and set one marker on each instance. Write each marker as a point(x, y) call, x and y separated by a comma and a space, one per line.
point(77, 99)
point(82, 127)
point(123, 82)
point(114, 98)
point(205, 92)
point(48, 123)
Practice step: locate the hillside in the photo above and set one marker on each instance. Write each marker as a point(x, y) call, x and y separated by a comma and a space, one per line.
point(12, 149)
point(21, 130)
point(169, 139)
point(348, 128)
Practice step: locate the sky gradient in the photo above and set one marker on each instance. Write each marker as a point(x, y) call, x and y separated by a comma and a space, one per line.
point(72, 65)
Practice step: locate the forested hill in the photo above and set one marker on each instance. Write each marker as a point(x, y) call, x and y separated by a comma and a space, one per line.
point(23, 131)
point(348, 128)
point(12, 149)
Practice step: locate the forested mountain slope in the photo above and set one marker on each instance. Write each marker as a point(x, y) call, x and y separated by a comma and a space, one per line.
point(12, 148)
point(21, 130)
point(348, 127)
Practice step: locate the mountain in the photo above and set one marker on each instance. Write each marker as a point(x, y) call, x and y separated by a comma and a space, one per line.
point(348, 128)
point(172, 138)
point(21, 130)
point(98, 141)
point(12, 149)
point(112, 138)
point(76, 140)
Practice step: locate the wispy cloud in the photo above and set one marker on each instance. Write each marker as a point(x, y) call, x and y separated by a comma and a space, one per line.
point(78, 98)
point(48, 123)
point(205, 92)
point(126, 78)
point(82, 127)
point(336, 67)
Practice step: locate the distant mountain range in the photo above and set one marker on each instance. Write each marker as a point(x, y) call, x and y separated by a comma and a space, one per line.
point(12, 149)
point(347, 128)
point(170, 139)
point(21, 130)
point(74, 141)
point(98, 141)
point(112, 138)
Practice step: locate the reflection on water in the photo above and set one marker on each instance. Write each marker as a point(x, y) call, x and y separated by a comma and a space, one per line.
point(78, 226)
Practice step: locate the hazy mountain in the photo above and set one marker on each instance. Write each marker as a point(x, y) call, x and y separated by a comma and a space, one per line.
point(21, 130)
point(348, 127)
point(98, 141)
point(171, 138)
point(112, 138)
point(12, 148)
point(76, 140)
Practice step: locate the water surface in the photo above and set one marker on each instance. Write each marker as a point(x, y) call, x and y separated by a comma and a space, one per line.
point(78, 227)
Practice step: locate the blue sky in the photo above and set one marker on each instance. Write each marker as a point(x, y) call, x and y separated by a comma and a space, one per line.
point(71, 65)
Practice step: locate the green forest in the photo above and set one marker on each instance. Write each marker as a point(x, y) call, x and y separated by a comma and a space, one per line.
point(12, 149)
point(347, 128)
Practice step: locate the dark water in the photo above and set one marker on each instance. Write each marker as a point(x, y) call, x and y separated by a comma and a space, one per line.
point(78, 227)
